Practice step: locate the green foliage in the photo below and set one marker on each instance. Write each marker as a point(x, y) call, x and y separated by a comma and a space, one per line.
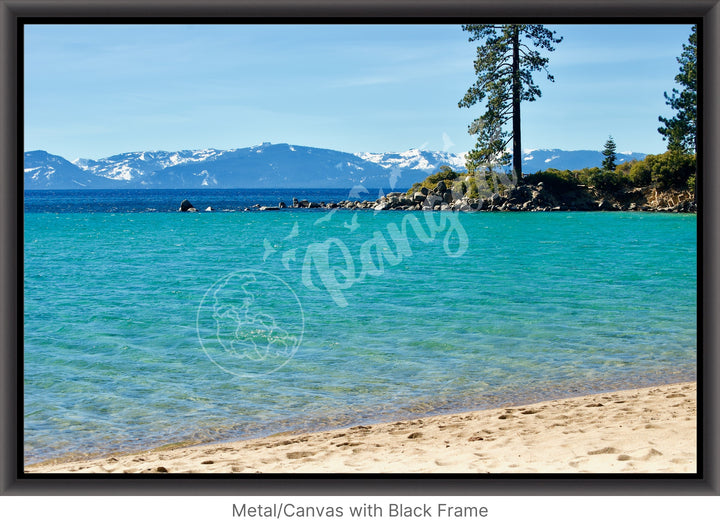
point(669, 170)
point(640, 174)
point(601, 179)
point(556, 181)
point(624, 169)
point(448, 175)
point(506, 59)
point(680, 130)
point(610, 154)
point(473, 185)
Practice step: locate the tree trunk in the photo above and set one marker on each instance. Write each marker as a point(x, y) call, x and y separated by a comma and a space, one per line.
point(516, 95)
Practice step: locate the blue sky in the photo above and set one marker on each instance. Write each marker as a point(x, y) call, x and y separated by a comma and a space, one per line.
point(97, 90)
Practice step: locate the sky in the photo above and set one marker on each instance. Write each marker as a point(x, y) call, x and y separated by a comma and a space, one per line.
point(93, 91)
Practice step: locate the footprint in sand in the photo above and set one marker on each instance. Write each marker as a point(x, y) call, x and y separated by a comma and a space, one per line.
point(652, 453)
point(682, 461)
point(300, 454)
point(605, 450)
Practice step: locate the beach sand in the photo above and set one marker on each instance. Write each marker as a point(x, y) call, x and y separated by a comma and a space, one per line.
point(648, 430)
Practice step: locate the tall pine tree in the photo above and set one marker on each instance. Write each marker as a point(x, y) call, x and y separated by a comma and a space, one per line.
point(610, 154)
point(680, 131)
point(506, 60)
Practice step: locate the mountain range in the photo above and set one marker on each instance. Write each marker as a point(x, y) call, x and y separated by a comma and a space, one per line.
point(269, 166)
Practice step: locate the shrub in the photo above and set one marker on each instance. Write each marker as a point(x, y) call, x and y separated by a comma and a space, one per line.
point(668, 170)
point(554, 180)
point(446, 174)
point(603, 180)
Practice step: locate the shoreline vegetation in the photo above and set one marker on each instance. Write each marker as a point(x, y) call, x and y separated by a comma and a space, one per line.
point(663, 183)
point(540, 197)
point(645, 430)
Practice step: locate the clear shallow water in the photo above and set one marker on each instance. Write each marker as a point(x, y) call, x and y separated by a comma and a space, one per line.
point(130, 342)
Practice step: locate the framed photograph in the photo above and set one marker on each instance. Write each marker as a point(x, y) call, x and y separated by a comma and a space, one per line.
point(346, 251)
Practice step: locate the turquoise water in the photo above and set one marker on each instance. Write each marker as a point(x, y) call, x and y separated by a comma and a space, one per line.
point(143, 329)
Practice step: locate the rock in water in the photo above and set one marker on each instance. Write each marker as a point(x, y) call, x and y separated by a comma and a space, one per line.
point(186, 206)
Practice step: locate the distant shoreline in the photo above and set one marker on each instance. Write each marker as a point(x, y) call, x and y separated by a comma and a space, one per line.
point(523, 198)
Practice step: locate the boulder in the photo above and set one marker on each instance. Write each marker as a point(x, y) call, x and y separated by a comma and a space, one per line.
point(432, 200)
point(424, 191)
point(295, 202)
point(303, 204)
point(496, 200)
point(209, 209)
point(441, 188)
point(281, 205)
point(419, 197)
point(186, 206)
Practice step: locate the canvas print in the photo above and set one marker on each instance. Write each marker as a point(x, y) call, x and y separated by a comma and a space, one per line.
point(321, 248)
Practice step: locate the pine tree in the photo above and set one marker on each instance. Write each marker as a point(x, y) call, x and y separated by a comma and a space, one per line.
point(680, 130)
point(610, 155)
point(506, 60)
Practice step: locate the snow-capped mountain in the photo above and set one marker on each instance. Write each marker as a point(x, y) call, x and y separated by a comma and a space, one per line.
point(415, 159)
point(46, 171)
point(136, 165)
point(269, 166)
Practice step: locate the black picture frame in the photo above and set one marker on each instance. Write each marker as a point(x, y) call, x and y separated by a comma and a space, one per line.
point(15, 13)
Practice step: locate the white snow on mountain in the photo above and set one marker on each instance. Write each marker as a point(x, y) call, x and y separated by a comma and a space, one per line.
point(272, 165)
point(415, 159)
point(133, 165)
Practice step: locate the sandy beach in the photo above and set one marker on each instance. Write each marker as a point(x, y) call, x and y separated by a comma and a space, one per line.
point(648, 430)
